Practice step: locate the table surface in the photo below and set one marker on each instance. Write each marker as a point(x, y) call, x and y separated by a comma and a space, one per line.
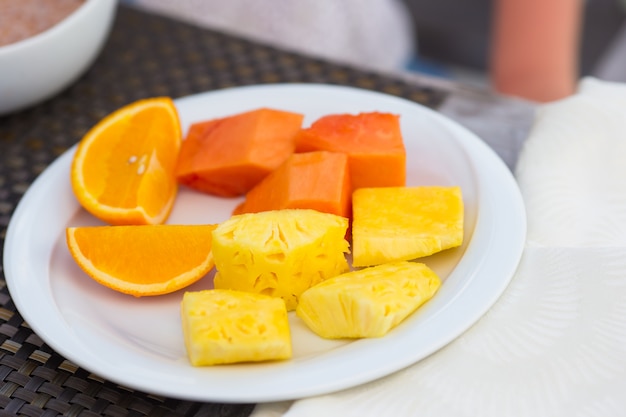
point(149, 55)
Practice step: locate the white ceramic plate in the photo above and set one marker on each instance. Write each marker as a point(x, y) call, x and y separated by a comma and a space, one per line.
point(137, 342)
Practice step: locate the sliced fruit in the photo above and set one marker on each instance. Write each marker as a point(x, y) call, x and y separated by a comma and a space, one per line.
point(228, 156)
point(310, 180)
point(143, 260)
point(279, 253)
point(368, 302)
point(373, 142)
point(222, 326)
point(404, 223)
point(123, 168)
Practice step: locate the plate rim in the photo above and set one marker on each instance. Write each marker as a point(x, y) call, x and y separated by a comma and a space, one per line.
point(503, 178)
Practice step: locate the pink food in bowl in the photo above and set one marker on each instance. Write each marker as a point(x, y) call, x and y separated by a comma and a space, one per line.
point(42, 65)
point(22, 19)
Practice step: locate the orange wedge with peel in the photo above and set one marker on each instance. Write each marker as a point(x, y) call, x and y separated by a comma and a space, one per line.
point(143, 260)
point(123, 168)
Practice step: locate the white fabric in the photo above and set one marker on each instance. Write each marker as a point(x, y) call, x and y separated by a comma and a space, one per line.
point(375, 34)
point(573, 172)
point(555, 343)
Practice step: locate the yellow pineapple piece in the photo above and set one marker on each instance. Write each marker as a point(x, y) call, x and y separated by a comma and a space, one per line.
point(367, 302)
point(222, 326)
point(279, 253)
point(404, 223)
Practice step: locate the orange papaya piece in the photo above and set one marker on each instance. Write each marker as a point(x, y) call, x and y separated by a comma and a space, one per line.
point(311, 180)
point(373, 142)
point(228, 156)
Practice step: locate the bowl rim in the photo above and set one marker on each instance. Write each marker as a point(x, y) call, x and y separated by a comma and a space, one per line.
point(51, 31)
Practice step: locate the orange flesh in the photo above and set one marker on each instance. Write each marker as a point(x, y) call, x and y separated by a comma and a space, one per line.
point(143, 260)
point(123, 169)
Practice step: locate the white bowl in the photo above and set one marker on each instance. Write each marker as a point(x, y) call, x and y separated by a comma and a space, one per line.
point(36, 68)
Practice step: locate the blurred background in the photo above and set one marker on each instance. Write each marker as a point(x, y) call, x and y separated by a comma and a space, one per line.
point(453, 38)
point(450, 39)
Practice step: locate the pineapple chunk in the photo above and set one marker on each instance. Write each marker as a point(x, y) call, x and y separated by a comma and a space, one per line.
point(404, 223)
point(368, 302)
point(221, 326)
point(279, 253)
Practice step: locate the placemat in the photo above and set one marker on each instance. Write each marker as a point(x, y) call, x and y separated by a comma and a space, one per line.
point(146, 55)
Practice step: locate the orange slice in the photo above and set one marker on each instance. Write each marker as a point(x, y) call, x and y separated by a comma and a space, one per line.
point(123, 168)
point(143, 260)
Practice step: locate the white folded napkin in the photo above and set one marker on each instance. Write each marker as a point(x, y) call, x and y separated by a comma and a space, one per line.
point(554, 344)
point(572, 171)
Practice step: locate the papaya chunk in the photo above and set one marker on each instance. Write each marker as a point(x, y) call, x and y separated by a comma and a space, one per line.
point(311, 180)
point(373, 142)
point(228, 156)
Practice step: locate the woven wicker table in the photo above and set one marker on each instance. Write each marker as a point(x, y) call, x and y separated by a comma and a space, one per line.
point(149, 55)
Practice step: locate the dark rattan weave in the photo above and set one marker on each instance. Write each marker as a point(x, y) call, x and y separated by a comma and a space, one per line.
point(146, 55)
